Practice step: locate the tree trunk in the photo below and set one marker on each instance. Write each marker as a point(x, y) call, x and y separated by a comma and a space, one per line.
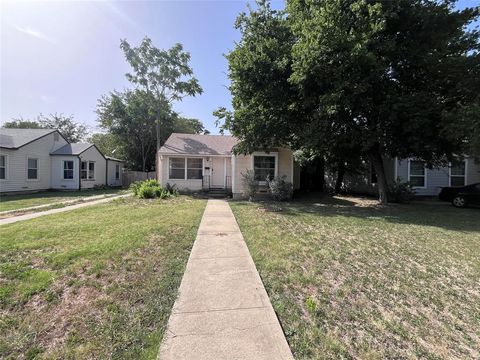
point(340, 175)
point(375, 157)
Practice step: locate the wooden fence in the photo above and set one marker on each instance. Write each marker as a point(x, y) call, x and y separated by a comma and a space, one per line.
point(132, 176)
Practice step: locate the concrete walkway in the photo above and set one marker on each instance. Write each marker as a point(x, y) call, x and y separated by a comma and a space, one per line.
point(223, 310)
point(15, 219)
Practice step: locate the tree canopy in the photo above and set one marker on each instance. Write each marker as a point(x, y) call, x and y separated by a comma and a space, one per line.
point(372, 78)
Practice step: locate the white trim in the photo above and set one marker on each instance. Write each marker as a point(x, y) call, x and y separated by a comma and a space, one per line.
point(88, 170)
point(6, 167)
point(424, 176)
point(263, 153)
point(38, 168)
point(224, 173)
point(465, 163)
point(234, 166)
point(193, 155)
point(185, 177)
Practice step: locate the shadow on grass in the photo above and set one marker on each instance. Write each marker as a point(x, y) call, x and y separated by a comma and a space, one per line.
point(441, 215)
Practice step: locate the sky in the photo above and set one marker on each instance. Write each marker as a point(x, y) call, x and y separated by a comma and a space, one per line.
point(62, 56)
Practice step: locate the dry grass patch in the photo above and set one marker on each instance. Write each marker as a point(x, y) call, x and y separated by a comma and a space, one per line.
point(98, 282)
point(351, 279)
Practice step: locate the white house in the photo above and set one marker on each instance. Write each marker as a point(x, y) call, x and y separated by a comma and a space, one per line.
point(41, 159)
point(206, 162)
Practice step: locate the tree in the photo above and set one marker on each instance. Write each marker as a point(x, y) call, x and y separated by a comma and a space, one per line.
point(22, 124)
point(71, 130)
point(108, 143)
point(165, 74)
point(397, 78)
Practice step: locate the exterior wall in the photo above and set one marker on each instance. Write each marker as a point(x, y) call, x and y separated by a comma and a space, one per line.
point(111, 181)
point(58, 182)
point(17, 164)
point(242, 163)
point(438, 177)
point(100, 174)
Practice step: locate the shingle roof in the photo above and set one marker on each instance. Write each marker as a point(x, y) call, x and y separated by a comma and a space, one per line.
point(113, 159)
point(15, 138)
point(195, 144)
point(72, 149)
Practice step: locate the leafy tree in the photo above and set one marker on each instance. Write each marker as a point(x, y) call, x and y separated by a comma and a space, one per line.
point(108, 144)
point(397, 78)
point(71, 130)
point(22, 124)
point(188, 126)
point(165, 74)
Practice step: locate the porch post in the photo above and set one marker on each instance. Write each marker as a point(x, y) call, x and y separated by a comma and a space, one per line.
point(224, 172)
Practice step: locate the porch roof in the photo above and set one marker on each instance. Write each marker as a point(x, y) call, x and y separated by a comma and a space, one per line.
point(197, 144)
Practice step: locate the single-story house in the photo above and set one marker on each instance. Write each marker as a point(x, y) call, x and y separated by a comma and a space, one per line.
point(42, 159)
point(207, 162)
point(424, 181)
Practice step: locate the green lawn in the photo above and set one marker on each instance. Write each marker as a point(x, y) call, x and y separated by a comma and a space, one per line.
point(15, 202)
point(355, 281)
point(97, 282)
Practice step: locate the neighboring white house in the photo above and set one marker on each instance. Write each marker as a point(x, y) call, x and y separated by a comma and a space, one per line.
point(206, 162)
point(425, 181)
point(41, 159)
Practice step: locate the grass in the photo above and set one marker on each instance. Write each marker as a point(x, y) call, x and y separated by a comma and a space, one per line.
point(16, 202)
point(97, 282)
point(352, 280)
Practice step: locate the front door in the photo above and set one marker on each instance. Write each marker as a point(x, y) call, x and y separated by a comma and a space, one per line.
point(218, 172)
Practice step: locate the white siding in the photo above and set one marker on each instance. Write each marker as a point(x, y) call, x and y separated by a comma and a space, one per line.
point(17, 164)
point(92, 154)
point(58, 182)
point(186, 185)
point(111, 181)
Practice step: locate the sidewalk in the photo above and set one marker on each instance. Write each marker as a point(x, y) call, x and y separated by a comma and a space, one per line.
point(223, 310)
point(14, 219)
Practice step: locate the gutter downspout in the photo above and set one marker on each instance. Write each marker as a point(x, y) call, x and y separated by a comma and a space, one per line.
point(79, 173)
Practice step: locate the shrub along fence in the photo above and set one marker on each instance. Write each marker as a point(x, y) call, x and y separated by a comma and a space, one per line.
point(133, 176)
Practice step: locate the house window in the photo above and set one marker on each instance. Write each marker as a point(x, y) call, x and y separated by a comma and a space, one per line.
point(3, 167)
point(417, 173)
point(457, 173)
point(87, 170)
point(117, 172)
point(177, 169)
point(32, 169)
point(68, 169)
point(194, 168)
point(264, 167)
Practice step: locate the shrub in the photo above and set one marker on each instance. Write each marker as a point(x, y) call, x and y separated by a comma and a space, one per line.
point(250, 185)
point(172, 189)
point(134, 187)
point(280, 189)
point(400, 192)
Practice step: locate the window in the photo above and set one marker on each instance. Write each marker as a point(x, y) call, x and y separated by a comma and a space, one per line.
point(194, 168)
point(264, 167)
point(32, 169)
point(117, 172)
point(417, 173)
point(177, 168)
point(68, 169)
point(3, 167)
point(87, 170)
point(457, 173)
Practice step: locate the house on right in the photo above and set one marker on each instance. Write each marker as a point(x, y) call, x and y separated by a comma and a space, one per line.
point(425, 181)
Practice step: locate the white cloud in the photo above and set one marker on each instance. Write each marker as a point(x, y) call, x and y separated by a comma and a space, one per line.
point(34, 33)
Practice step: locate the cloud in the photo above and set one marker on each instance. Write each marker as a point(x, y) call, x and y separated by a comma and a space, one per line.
point(34, 33)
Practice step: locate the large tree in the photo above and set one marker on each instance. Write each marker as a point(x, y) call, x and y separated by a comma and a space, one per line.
point(165, 74)
point(397, 78)
point(70, 129)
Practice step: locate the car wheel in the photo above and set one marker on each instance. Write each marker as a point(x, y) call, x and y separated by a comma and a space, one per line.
point(459, 201)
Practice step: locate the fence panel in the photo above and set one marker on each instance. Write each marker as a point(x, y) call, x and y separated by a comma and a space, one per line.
point(132, 176)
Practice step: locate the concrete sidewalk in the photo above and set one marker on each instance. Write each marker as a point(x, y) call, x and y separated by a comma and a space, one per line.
point(223, 310)
point(15, 219)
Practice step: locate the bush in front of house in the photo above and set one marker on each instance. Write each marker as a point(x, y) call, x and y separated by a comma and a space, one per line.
point(280, 189)
point(400, 192)
point(151, 189)
point(250, 185)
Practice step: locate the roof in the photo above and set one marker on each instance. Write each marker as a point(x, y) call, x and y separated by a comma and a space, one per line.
point(196, 144)
point(112, 158)
point(15, 138)
point(72, 149)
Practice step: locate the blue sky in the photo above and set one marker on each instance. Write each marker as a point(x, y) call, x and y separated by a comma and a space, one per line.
point(61, 56)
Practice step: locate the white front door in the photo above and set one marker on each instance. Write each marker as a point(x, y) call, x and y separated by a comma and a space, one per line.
point(218, 172)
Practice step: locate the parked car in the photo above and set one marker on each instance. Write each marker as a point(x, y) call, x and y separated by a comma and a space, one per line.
point(461, 196)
